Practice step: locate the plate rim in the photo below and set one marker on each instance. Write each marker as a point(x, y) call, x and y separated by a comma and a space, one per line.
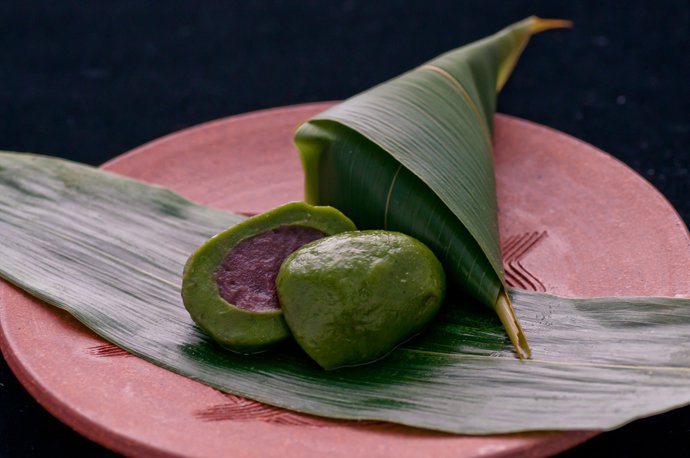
point(122, 443)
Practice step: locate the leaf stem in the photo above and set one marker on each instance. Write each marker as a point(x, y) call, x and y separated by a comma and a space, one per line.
point(510, 322)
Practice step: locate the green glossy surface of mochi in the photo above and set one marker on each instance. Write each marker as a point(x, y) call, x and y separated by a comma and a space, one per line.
point(351, 298)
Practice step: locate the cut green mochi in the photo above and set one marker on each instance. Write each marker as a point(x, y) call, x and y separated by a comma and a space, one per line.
point(351, 298)
point(228, 285)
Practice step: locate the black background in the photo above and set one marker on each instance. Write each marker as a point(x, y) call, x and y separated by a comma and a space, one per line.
point(90, 80)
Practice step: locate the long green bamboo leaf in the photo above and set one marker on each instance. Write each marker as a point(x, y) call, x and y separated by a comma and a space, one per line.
point(414, 154)
point(111, 250)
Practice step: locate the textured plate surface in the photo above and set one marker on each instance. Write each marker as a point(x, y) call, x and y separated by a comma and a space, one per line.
point(574, 221)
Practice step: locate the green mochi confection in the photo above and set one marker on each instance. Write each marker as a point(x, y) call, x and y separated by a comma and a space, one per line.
point(351, 298)
point(228, 285)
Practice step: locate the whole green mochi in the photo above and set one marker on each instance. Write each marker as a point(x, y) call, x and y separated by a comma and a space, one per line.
point(351, 298)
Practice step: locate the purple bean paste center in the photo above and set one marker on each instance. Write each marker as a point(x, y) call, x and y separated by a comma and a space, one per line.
point(247, 276)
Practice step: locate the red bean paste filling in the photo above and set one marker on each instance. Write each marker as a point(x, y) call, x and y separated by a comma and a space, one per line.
point(247, 276)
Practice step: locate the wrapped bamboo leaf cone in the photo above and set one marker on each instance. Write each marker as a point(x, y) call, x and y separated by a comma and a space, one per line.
point(414, 155)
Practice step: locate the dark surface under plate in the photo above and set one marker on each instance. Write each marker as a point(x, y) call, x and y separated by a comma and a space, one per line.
point(90, 81)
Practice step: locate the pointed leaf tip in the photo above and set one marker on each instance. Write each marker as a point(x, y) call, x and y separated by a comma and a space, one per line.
point(540, 25)
point(523, 30)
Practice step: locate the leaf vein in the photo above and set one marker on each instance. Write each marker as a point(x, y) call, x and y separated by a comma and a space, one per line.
point(555, 363)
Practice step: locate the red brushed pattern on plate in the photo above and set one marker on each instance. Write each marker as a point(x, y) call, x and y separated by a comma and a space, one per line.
point(514, 249)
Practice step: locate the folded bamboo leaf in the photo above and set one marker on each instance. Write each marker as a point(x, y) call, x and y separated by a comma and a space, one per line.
point(414, 155)
point(111, 250)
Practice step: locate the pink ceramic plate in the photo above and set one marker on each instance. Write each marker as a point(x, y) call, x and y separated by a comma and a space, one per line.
point(573, 220)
